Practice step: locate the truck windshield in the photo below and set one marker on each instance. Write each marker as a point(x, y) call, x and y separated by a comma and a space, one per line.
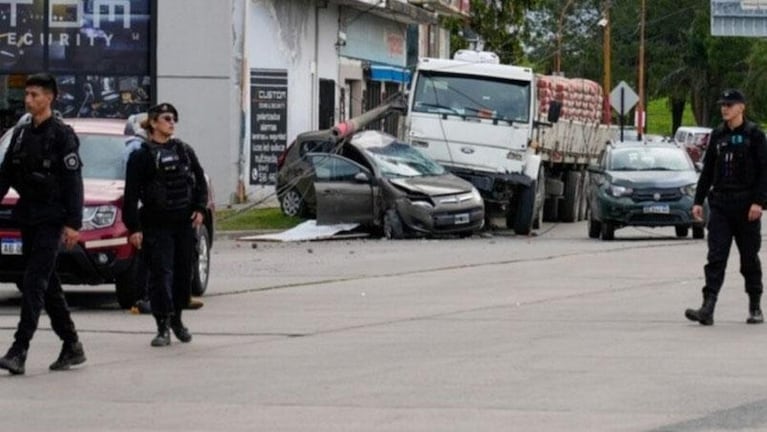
point(472, 96)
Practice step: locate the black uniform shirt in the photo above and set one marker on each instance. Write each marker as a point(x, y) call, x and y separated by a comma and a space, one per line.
point(49, 181)
point(735, 162)
point(140, 172)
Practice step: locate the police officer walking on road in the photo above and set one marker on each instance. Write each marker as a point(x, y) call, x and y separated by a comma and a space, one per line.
point(43, 165)
point(734, 178)
point(166, 176)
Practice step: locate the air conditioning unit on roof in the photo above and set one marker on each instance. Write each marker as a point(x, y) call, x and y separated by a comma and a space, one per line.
point(476, 56)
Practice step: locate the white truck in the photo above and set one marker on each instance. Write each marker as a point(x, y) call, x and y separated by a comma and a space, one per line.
point(523, 140)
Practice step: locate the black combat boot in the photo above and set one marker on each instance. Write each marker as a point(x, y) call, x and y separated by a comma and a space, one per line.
point(14, 360)
point(163, 333)
point(181, 332)
point(754, 311)
point(72, 354)
point(704, 315)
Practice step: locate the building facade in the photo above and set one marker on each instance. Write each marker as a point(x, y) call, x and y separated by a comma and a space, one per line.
point(246, 75)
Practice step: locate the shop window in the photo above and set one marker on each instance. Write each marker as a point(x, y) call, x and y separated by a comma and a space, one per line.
point(99, 51)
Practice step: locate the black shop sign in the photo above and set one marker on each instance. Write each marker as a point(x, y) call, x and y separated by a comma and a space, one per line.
point(268, 123)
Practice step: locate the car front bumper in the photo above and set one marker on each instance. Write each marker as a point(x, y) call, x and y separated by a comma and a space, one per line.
point(90, 262)
point(624, 211)
point(441, 220)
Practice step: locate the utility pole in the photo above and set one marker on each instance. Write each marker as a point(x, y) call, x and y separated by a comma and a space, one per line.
point(560, 24)
point(606, 61)
point(641, 104)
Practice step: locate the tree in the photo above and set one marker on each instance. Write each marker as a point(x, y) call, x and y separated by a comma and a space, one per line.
point(499, 23)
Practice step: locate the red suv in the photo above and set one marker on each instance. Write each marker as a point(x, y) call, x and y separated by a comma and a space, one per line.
point(103, 255)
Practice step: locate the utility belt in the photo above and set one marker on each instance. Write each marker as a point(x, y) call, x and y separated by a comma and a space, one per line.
point(730, 195)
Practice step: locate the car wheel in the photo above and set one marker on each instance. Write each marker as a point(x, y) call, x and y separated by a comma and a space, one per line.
point(529, 208)
point(292, 203)
point(698, 232)
point(392, 225)
point(608, 231)
point(201, 264)
point(126, 288)
point(595, 228)
point(681, 231)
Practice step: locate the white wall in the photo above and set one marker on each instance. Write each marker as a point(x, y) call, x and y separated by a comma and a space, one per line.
point(281, 34)
point(195, 64)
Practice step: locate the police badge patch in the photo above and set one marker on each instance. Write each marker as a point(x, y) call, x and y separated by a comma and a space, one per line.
point(71, 161)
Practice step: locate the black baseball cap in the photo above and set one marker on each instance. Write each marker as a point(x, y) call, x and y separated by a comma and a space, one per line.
point(162, 108)
point(732, 96)
point(44, 80)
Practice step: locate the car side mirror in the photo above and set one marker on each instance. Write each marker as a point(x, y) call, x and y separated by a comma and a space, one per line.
point(596, 169)
point(362, 177)
point(555, 109)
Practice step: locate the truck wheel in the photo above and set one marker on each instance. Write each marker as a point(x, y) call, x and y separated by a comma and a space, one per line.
point(201, 263)
point(125, 286)
point(523, 220)
point(551, 209)
point(608, 231)
point(572, 199)
point(583, 207)
point(681, 231)
point(595, 228)
point(392, 225)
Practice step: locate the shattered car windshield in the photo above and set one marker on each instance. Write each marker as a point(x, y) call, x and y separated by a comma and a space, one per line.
point(395, 158)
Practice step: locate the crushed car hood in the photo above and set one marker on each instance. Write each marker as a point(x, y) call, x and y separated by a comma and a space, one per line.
point(447, 184)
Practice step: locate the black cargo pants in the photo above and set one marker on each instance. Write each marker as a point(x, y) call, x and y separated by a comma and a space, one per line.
point(41, 286)
point(168, 256)
point(728, 219)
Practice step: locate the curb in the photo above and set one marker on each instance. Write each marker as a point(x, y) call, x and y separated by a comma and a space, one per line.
point(234, 235)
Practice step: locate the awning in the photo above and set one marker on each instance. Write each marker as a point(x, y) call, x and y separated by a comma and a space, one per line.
point(445, 7)
point(389, 73)
point(396, 10)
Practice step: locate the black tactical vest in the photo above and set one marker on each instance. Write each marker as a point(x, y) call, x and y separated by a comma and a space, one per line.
point(735, 162)
point(32, 172)
point(171, 185)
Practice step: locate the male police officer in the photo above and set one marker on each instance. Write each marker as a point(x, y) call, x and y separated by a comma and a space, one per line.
point(734, 178)
point(166, 176)
point(43, 165)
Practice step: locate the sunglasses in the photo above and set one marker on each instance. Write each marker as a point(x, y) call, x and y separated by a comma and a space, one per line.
point(167, 118)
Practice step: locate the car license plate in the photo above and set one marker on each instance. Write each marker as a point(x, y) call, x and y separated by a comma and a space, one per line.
point(10, 247)
point(462, 218)
point(657, 209)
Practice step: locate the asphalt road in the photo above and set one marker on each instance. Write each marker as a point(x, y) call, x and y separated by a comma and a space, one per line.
point(545, 333)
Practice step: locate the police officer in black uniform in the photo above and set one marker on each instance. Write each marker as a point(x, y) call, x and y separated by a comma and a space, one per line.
point(43, 165)
point(166, 176)
point(734, 178)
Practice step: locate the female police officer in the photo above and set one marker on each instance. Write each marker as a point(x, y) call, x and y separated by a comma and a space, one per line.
point(166, 176)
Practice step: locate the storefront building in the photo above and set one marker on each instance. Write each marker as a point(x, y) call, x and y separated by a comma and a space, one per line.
point(246, 75)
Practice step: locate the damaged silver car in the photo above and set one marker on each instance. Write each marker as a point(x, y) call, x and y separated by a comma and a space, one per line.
point(371, 178)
